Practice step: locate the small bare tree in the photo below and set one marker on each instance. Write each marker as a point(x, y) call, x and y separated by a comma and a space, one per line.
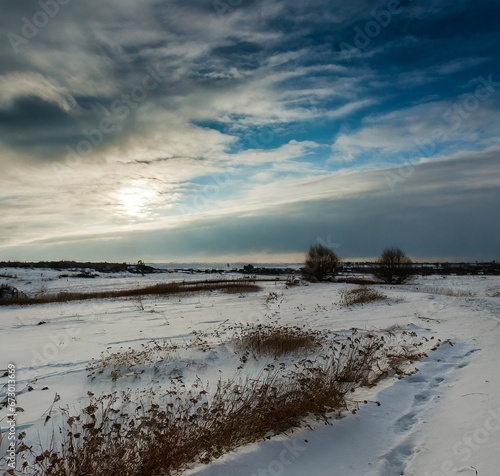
point(320, 262)
point(393, 266)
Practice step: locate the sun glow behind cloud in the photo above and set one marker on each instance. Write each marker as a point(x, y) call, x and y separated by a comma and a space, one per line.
point(136, 200)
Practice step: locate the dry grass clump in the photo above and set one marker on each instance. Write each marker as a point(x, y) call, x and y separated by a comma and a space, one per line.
point(163, 431)
point(240, 288)
point(127, 361)
point(361, 295)
point(276, 341)
point(447, 291)
point(228, 286)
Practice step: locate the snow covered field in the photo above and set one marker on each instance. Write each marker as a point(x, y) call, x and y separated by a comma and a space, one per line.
point(442, 420)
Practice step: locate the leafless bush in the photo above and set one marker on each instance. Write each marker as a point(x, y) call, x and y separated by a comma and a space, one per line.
point(320, 262)
point(393, 266)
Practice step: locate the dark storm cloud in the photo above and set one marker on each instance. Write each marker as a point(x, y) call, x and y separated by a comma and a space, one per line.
point(31, 111)
point(447, 207)
point(31, 122)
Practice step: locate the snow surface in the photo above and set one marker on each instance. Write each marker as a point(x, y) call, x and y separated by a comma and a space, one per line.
point(442, 420)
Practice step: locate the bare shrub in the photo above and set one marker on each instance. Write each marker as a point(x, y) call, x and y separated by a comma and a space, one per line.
point(393, 266)
point(320, 262)
point(361, 295)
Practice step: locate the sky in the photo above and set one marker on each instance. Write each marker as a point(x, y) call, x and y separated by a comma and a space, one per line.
point(240, 130)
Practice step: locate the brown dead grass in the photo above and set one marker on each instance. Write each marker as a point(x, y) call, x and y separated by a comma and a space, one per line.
point(124, 361)
point(361, 295)
point(162, 289)
point(164, 433)
point(447, 291)
point(360, 281)
point(277, 341)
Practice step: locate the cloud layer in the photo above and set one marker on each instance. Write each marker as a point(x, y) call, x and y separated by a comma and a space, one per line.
point(164, 130)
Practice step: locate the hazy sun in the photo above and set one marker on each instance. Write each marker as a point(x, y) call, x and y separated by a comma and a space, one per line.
point(136, 199)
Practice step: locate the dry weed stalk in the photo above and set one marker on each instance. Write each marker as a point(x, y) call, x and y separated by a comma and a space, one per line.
point(123, 362)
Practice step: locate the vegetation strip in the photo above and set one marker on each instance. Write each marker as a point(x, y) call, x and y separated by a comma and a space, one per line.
point(165, 430)
point(156, 289)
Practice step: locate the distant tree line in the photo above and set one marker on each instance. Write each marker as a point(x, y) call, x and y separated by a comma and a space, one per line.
point(64, 264)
